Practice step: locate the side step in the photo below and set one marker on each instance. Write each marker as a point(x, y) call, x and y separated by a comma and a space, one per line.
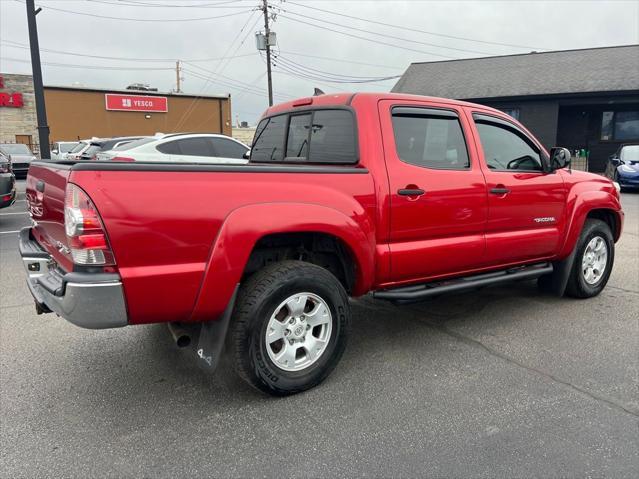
point(423, 291)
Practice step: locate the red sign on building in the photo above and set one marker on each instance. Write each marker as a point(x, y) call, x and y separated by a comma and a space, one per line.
point(136, 103)
point(10, 100)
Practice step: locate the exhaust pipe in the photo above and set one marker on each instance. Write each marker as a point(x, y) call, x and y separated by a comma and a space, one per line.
point(181, 337)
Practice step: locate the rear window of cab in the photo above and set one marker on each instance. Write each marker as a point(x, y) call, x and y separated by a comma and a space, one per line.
point(319, 136)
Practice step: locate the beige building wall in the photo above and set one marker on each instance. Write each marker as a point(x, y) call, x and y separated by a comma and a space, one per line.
point(16, 123)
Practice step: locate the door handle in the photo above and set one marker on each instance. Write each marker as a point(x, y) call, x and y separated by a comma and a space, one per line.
point(411, 192)
point(500, 191)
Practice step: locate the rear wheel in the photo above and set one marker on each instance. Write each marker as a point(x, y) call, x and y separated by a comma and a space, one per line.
point(595, 254)
point(289, 327)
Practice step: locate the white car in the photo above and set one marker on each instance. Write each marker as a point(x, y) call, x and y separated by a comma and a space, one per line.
point(77, 151)
point(61, 148)
point(181, 147)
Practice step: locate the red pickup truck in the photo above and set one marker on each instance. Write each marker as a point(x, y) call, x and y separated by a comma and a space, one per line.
point(403, 197)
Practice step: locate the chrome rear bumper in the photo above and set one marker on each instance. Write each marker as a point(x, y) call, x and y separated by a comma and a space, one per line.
point(88, 300)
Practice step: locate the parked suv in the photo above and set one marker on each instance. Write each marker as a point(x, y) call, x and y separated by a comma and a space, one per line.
point(400, 196)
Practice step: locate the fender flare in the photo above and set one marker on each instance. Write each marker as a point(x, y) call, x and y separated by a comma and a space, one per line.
point(245, 226)
point(581, 205)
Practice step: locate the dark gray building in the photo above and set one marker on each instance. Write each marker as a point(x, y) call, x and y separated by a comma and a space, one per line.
point(580, 99)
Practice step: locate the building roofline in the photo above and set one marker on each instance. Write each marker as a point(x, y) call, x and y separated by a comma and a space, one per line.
point(134, 92)
point(526, 54)
point(554, 96)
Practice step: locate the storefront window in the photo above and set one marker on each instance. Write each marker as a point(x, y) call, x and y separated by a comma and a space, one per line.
point(619, 125)
point(606, 125)
point(627, 125)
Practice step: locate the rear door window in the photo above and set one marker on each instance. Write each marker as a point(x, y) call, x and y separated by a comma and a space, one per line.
point(198, 146)
point(169, 148)
point(228, 148)
point(430, 138)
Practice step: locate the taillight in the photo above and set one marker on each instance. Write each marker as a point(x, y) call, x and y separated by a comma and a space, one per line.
point(85, 232)
point(122, 158)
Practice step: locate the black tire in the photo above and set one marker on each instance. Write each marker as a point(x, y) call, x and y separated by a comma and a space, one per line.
point(258, 299)
point(577, 286)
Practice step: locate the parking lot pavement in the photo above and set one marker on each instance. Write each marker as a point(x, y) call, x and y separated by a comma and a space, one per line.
point(503, 382)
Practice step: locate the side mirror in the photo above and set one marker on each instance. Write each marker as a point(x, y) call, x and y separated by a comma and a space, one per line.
point(559, 158)
point(615, 161)
point(55, 152)
point(247, 155)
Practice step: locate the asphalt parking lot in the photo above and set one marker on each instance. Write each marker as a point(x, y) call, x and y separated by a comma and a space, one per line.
point(504, 382)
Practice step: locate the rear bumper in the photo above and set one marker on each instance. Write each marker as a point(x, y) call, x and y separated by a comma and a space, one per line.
point(88, 300)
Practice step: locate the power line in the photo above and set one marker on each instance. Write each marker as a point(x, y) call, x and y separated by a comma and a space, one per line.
point(403, 27)
point(155, 20)
point(133, 3)
point(312, 75)
point(13, 44)
point(90, 67)
point(341, 60)
point(333, 77)
point(241, 88)
point(192, 105)
point(378, 42)
point(465, 50)
point(229, 80)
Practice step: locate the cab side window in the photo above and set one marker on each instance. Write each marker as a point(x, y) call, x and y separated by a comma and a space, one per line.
point(506, 149)
point(430, 138)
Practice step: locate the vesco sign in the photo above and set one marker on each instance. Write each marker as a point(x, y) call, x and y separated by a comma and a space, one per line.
point(136, 103)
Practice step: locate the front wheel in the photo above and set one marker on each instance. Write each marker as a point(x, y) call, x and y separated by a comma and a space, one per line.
point(289, 327)
point(593, 262)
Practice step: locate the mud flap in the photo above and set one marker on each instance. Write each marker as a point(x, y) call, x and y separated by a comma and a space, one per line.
point(561, 273)
point(211, 338)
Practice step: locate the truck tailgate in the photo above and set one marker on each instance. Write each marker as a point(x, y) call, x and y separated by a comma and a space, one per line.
point(45, 193)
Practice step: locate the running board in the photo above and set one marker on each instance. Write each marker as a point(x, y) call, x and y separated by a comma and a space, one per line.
point(423, 291)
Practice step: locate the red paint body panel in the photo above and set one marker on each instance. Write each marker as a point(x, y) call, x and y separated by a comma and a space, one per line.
point(181, 239)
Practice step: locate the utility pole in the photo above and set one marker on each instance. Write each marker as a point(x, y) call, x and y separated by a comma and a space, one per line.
point(178, 88)
point(267, 33)
point(41, 110)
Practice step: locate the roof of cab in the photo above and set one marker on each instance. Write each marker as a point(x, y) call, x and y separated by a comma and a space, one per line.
point(338, 99)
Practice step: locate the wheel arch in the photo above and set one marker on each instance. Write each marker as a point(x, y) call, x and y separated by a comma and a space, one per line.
point(591, 204)
point(248, 232)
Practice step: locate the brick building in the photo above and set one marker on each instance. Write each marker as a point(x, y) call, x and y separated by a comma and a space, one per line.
point(75, 113)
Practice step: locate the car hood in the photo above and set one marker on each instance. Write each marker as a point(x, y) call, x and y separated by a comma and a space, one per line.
point(634, 166)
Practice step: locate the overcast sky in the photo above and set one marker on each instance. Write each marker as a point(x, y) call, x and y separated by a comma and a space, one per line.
point(185, 30)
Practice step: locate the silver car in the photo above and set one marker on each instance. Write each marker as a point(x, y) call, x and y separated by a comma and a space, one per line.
point(21, 157)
